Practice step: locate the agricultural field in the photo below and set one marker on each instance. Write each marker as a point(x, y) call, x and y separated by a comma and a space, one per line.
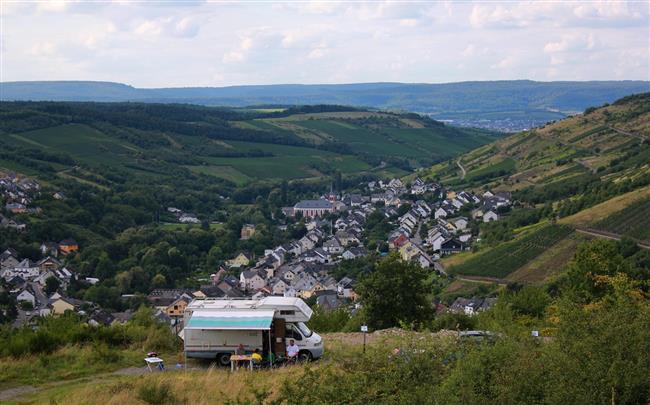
point(507, 257)
point(502, 168)
point(233, 145)
point(632, 221)
point(550, 263)
point(80, 141)
point(589, 217)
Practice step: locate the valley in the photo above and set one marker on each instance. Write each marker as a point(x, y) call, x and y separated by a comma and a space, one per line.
point(137, 209)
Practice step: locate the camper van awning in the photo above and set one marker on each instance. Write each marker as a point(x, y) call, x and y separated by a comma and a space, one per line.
point(233, 320)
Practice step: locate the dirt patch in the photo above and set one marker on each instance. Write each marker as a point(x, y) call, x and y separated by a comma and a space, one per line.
point(131, 371)
point(12, 393)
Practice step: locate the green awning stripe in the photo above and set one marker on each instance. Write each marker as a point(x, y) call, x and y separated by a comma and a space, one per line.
point(230, 322)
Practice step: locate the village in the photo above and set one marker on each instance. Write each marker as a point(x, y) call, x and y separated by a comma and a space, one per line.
point(427, 222)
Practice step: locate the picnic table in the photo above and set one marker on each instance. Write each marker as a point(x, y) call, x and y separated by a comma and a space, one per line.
point(156, 361)
point(241, 357)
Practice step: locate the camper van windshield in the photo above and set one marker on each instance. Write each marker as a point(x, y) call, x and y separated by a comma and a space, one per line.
point(304, 329)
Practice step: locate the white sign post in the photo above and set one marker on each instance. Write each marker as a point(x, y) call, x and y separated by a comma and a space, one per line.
point(364, 329)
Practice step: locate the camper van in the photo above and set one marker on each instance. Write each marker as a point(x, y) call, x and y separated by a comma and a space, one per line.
point(214, 328)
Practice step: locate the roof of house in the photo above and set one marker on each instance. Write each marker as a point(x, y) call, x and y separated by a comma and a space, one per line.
point(313, 204)
point(123, 316)
point(330, 301)
point(68, 242)
point(461, 303)
point(249, 274)
point(212, 291)
point(102, 317)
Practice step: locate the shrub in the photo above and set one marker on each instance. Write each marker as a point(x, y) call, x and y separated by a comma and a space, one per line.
point(157, 394)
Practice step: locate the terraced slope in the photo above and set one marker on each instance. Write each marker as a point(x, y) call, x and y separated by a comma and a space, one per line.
point(584, 145)
point(239, 146)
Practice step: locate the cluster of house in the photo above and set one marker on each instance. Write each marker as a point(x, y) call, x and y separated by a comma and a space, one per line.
point(301, 268)
point(447, 231)
point(18, 193)
point(26, 281)
point(183, 217)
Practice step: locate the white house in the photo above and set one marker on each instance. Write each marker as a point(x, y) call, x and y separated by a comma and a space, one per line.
point(460, 223)
point(490, 216)
point(278, 286)
point(27, 295)
point(440, 213)
point(251, 281)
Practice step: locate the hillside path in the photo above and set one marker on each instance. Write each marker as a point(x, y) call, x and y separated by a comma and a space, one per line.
point(608, 235)
point(15, 392)
point(622, 132)
point(462, 170)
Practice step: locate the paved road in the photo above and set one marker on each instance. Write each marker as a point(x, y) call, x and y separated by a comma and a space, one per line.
point(607, 235)
point(462, 169)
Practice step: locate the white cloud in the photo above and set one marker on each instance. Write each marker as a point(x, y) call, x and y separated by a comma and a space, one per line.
point(506, 63)
point(149, 28)
point(317, 53)
point(42, 49)
point(409, 22)
point(245, 43)
point(185, 27)
point(571, 43)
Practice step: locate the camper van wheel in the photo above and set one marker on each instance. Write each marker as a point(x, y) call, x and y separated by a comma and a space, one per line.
point(304, 356)
point(223, 359)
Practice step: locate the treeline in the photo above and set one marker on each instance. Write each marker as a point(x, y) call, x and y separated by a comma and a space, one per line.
point(179, 119)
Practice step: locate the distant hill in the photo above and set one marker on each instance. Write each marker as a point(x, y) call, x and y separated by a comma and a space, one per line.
point(504, 105)
point(239, 146)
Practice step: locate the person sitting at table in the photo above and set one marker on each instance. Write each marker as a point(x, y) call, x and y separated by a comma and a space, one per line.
point(292, 351)
point(257, 357)
point(240, 351)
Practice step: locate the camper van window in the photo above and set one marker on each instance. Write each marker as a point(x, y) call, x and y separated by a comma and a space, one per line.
point(292, 333)
point(287, 312)
point(304, 329)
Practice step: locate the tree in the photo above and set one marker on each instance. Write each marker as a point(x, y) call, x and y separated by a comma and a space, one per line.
point(594, 259)
point(395, 293)
point(529, 300)
point(51, 285)
point(158, 281)
point(8, 311)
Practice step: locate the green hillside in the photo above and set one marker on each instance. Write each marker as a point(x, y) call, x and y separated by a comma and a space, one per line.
point(238, 146)
point(507, 257)
point(602, 143)
point(590, 171)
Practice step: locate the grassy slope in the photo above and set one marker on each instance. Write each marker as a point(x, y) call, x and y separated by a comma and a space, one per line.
point(575, 145)
point(199, 386)
point(590, 216)
point(632, 221)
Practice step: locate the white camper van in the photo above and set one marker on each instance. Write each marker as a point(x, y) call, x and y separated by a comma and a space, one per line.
point(214, 328)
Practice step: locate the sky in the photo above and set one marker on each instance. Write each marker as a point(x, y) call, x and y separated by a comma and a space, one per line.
point(217, 43)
